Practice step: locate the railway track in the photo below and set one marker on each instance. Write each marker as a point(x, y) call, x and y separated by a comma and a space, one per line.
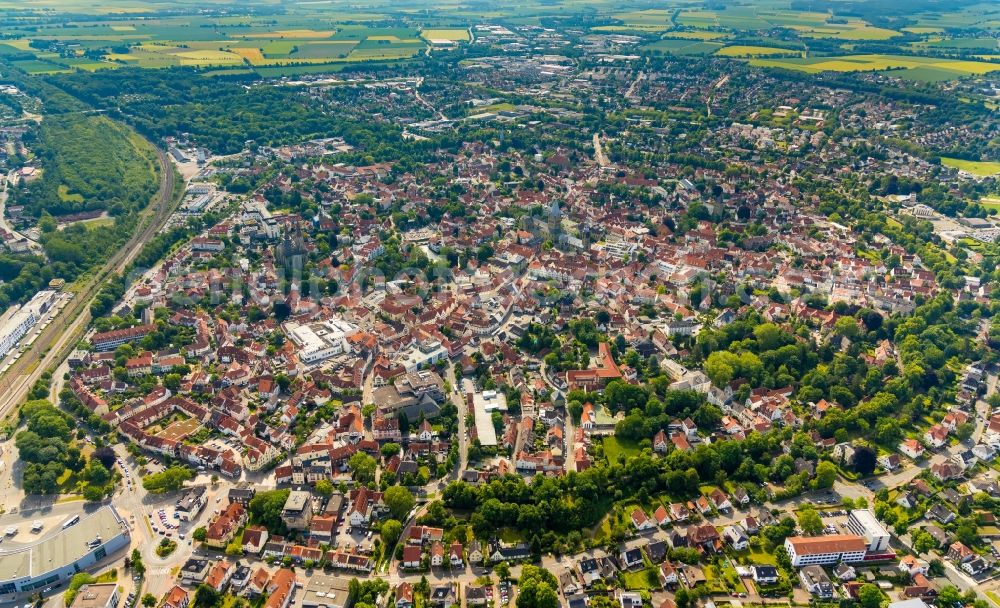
point(65, 330)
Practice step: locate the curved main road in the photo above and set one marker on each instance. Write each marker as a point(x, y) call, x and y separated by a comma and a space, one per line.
point(66, 329)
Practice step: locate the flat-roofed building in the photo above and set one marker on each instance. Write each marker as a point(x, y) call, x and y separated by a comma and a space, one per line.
point(325, 591)
point(864, 523)
point(424, 354)
point(16, 322)
point(102, 595)
point(484, 404)
point(67, 551)
point(297, 512)
point(320, 341)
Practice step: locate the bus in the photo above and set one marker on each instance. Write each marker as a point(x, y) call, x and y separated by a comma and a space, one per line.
point(71, 521)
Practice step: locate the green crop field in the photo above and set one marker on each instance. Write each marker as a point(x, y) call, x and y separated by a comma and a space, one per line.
point(324, 49)
point(240, 34)
point(455, 35)
point(922, 67)
point(683, 47)
point(754, 51)
point(34, 66)
point(850, 31)
point(140, 34)
point(983, 44)
point(697, 35)
point(380, 53)
point(977, 168)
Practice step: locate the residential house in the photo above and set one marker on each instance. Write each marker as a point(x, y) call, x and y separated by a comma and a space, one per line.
point(404, 595)
point(736, 537)
point(815, 580)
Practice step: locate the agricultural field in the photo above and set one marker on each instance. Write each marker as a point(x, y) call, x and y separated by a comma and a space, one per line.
point(853, 30)
point(755, 51)
point(980, 15)
point(279, 36)
point(977, 168)
point(976, 44)
point(644, 21)
point(672, 46)
point(452, 34)
point(697, 35)
point(990, 203)
point(37, 66)
point(915, 68)
point(296, 38)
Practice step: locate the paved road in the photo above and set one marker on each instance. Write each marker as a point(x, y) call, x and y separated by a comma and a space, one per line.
point(457, 397)
point(136, 506)
point(599, 155)
point(630, 93)
point(69, 326)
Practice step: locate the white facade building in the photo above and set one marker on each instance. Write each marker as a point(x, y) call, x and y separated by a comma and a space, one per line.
point(863, 523)
point(17, 322)
point(320, 341)
point(829, 549)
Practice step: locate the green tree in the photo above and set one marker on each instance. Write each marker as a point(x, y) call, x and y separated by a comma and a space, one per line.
point(169, 480)
point(964, 431)
point(390, 449)
point(923, 542)
point(869, 596)
point(502, 570)
point(149, 600)
point(137, 566)
point(809, 521)
point(205, 597)
point(172, 381)
point(265, 509)
point(96, 474)
point(363, 467)
point(93, 493)
point(399, 500)
point(537, 588)
point(390, 531)
point(826, 475)
point(324, 487)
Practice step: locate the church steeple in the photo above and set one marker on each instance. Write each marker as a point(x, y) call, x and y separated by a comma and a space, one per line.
point(555, 217)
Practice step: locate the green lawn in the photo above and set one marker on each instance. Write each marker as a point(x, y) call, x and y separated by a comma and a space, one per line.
point(510, 535)
point(760, 558)
point(641, 580)
point(615, 448)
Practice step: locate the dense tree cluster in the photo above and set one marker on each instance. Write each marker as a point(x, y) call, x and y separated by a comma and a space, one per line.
point(168, 480)
point(89, 163)
point(265, 510)
point(45, 446)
